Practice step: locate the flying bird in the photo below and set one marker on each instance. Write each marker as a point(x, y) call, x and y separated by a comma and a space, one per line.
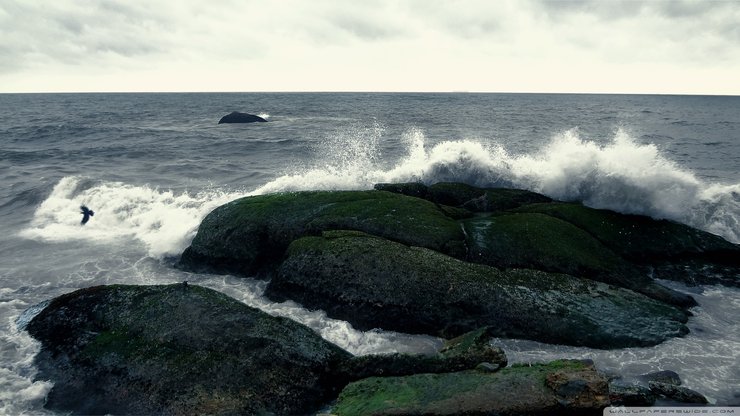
point(86, 214)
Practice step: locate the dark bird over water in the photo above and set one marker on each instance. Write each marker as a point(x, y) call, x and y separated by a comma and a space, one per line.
point(86, 214)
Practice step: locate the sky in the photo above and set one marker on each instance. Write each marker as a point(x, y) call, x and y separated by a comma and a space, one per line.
point(578, 46)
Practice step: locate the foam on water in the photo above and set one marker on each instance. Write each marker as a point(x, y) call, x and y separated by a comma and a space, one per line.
point(163, 221)
point(622, 175)
point(18, 390)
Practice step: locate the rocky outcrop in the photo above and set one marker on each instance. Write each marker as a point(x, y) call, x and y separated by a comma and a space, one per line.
point(668, 249)
point(184, 349)
point(557, 388)
point(177, 350)
point(250, 235)
point(372, 282)
point(237, 117)
point(513, 232)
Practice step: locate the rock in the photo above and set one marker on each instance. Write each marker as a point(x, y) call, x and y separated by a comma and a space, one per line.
point(237, 117)
point(462, 353)
point(176, 350)
point(250, 235)
point(557, 388)
point(627, 394)
point(674, 251)
point(372, 282)
point(184, 349)
point(664, 376)
point(468, 197)
point(543, 242)
point(677, 393)
point(415, 189)
point(486, 367)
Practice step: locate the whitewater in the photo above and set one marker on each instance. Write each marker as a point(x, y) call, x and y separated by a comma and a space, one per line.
point(151, 180)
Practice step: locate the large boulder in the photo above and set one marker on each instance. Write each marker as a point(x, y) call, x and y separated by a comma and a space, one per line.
point(544, 242)
point(237, 117)
point(673, 251)
point(184, 349)
point(557, 388)
point(177, 350)
point(250, 235)
point(373, 282)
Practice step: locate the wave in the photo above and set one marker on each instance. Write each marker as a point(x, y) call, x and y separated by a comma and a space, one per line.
point(622, 175)
point(163, 221)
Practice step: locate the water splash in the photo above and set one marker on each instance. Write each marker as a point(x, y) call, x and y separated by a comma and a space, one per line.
point(622, 175)
point(163, 221)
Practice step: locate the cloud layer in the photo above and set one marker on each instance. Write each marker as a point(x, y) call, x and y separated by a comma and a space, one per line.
point(377, 45)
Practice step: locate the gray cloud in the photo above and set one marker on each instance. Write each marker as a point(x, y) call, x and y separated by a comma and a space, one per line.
point(43, 33)
point(455, 41)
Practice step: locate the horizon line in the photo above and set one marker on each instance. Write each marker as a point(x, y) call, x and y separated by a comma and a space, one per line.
point(376, 92)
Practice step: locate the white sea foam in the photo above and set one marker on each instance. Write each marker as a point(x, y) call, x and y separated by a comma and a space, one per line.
point(18, 389)
point(623, 175)
point(164, 221)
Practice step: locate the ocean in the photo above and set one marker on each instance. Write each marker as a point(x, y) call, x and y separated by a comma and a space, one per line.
point(152, 166)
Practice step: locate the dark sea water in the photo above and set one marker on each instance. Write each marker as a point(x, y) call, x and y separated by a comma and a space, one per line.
point(152, 166)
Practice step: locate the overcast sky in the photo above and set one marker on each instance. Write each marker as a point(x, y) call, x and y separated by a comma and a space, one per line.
point(654, 46)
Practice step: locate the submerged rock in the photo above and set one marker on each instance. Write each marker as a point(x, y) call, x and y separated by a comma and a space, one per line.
point(372, 282)
point(664, 376)
point(557, 388)
point(677, 393)
point(462, 353)
point(237, 117)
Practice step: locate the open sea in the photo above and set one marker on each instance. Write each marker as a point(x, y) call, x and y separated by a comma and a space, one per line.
point(152, 166)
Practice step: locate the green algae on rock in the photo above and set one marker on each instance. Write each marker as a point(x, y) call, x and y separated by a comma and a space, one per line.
point(177, 350)
point(673, 251)
point(184, 349)
point(250, 234)
point(372, 282)
point(558, 388)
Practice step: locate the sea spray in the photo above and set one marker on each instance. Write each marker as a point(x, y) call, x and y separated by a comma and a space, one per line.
point(162, 220)
point(622, 175)
point(18, 389)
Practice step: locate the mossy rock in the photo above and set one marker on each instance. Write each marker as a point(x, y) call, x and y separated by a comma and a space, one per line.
point(372, 282)
point(465, 196)
point(251, 234)
point(636, 237)
point(482, 199)
point(178, 350)
point(674, 251)
point(557, 388)
point(542, 242)
point(462, 353)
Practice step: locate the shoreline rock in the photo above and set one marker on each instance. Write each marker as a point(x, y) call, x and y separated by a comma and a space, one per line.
point(558, 388)
point(372, 282)
point(185, 349)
